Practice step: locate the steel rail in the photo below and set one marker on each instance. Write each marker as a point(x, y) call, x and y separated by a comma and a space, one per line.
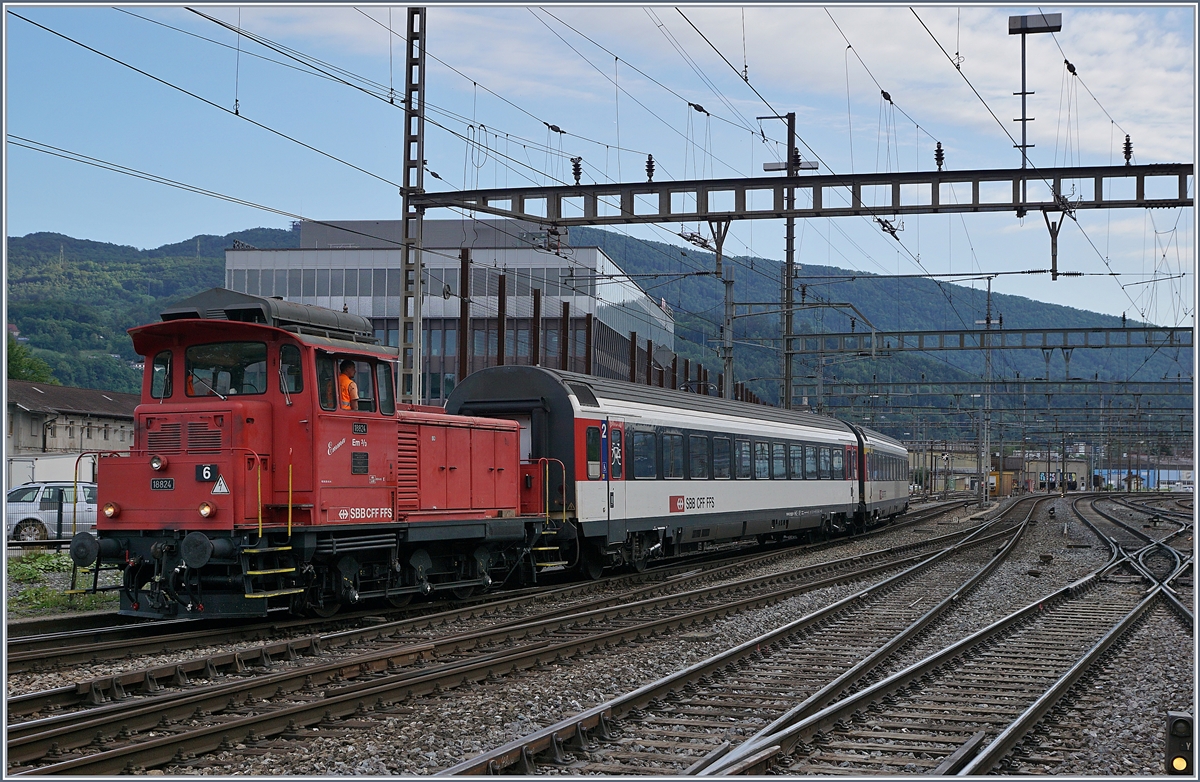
point(990, 756)
point(765, 737)
point(97, 690)
point(29, 652)
point(31, 746)
point(785, 740)
point(578, 728)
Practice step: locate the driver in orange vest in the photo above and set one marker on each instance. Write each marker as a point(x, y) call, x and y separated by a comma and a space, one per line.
point(347, 388)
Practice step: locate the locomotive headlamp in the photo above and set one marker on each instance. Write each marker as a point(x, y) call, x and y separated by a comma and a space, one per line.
point(112, 510)
point(207, 510)
point(158, 463)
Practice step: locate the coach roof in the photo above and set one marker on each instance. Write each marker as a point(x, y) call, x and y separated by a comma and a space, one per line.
point(602, 389)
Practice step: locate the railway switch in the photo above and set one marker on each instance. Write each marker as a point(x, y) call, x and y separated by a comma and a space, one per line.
point(1179, 743)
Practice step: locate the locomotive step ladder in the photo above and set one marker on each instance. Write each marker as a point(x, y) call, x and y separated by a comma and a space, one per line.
point(259, 565)
point(547, 556)
point(94, 570)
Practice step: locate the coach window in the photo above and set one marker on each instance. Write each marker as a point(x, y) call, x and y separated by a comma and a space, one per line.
point(810, 462)
point(743, 458)
point(616, 454)
point(796, 460)
point(762, 461)
point(839, 467)
point(645, 461)
point(291, 380)
point(779, 461)
point(721, 462)
point(160, 375)
point(672, 455)
point(825, 462)
point(698, 457)
point(592, 440)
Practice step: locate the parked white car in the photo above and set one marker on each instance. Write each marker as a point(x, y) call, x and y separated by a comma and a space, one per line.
point(46, 511)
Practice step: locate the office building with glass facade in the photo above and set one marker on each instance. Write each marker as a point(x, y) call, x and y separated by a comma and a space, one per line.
point(355, 266)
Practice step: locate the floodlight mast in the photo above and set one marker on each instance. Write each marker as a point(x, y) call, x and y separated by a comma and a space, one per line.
point(1025, 25)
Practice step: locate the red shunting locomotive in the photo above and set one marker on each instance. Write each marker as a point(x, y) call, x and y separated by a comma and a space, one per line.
point(254, 485)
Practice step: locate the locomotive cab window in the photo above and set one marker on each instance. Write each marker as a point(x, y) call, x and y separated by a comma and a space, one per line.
point(327, 382)
point(383, 382)
point(291, 376)
point(226, 369)
point(160, 377)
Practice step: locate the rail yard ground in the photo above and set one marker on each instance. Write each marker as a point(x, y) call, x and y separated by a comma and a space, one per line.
point(1110, 723)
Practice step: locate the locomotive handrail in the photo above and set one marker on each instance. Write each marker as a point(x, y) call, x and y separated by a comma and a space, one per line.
point(75, 513)
point(544, 462)
point(258, 460)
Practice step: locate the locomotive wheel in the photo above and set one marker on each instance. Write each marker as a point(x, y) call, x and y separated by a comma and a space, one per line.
point(462, 593)
point(640, 564)
point(324, 611)
point(400, 601)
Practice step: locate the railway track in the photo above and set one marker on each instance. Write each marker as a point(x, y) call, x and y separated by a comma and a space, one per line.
point(987, 691)
point(58, 644)
point(76, 742)
point(680, 723)
point(960, 711)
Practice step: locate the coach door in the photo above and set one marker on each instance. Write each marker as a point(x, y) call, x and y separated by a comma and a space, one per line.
point(612, 440)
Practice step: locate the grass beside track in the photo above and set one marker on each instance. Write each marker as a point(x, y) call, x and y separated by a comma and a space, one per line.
point(37, 584)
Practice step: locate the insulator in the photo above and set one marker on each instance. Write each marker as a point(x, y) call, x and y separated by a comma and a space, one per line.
point(649, 168)
point(577, 168)
point(1128, 149)
point(886, 96)
point(795, 158)
point(1070, 67)
point(939, 156)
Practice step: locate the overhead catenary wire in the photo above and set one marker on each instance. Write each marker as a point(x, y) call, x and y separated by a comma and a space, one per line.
point(47, 149)
point(202, 99)
point(1032, 166)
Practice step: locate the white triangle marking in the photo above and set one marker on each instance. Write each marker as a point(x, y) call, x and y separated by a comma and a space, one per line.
point(220, 488)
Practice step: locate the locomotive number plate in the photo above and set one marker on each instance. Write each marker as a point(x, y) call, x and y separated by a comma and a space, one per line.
point(207, 473)
point(162, 484)
point(359, 428)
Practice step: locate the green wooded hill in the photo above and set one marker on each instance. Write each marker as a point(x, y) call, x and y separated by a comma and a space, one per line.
point(73, 299)
point(887, 303)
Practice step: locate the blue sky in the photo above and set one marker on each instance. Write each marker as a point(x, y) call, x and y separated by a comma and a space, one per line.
point(498, 75)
